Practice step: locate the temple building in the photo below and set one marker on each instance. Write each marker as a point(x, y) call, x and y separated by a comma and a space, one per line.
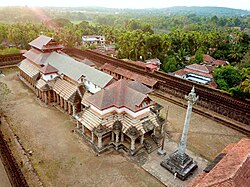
point(121, 116)
point(57, 78)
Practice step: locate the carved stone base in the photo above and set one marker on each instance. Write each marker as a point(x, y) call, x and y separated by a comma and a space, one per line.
point(183, 166)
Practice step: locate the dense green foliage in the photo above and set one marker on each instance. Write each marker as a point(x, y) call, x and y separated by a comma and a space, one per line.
point(8, 51)
point(144, 34)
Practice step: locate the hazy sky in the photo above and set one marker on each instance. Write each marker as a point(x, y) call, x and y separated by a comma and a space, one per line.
point(242, 4)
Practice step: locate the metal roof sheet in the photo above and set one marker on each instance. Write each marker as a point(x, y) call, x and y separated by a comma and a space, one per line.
point(75, 69)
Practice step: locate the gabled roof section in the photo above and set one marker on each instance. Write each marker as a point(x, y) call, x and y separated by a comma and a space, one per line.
point(48, 69)
point(200, 68)
point(119, 94)
point(139, 87)
point(45, 42)
point(28, 68)
point(36, 56)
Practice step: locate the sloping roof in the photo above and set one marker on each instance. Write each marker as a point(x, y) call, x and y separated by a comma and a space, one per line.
point(42, 42)
point(28, 68)
point(48, 69)
point(219, 62)
point(108, 67)
point(129, 74)
point(88, 62)
point(118, 94)
point(36, 56)
point(201, 68)
point(66, 90)
point(198, 73)
point(232, 170)
point(208, 58)
point(139, 87)
point(74, 69)
point(40, 83)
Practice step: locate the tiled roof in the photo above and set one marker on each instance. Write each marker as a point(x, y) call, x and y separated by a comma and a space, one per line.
point(67, 90)
point(186, 71)
point(201, 68)
point(138, 63)
point(36, 56)
point(208, 58)
point(28, 68)
point(118, 94)
point(219, 62)
point(231, 171)
point(42, 43)
point(139, 87)
point(180, 72)
point(129, 74)
point(48, 69)
point(88, 62)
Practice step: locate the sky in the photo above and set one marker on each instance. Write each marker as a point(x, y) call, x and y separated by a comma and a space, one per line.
point(239, 4)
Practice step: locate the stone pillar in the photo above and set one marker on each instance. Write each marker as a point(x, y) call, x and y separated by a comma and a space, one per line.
point(54, 96)
point(142, 139)
point(69, 109)
point(92, 136)
point(61, 102)
point(117, 137)
point(132, 147)
point(112, 136)
point(65, 105)
point(191, 98)
point(122, 137)
point(37, 93)
point(83, 129)
point(45, 98)
point(74, 110)
point(78, 124)
point(99, 143)
point(57, 99)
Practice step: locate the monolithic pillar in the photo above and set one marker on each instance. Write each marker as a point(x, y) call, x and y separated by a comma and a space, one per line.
point(132, 146)
point(142, 139)
point(92, 136)
point(99, 144)
point(191, 98)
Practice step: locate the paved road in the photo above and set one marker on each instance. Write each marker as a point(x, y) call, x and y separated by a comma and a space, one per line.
point(4, 180)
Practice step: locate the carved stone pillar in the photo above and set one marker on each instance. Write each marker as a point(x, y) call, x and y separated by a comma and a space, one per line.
point(92, 137)
point(99, 143)
point(74, 110)
point(69, 109)
point(83, 129)
point(122, 137)
point(132, 146)
point(117, 137)
point(112, 136)
point(142, 139)
point(78, 124)
point(57, 99)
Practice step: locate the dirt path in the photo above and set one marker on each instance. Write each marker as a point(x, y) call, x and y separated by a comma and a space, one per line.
point(59, 157)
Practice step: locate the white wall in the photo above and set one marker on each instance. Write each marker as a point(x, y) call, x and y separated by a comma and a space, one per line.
point(91, 87)
point(120, 110)
point(49, 76)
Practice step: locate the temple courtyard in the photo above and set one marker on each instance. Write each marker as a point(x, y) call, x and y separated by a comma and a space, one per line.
point(61, 158)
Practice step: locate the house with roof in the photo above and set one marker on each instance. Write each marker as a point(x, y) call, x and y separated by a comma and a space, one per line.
point(198, 73)
point(153, 64)
point(231, 168)
point(93, 39)
point(120, 116)
point(57, 78)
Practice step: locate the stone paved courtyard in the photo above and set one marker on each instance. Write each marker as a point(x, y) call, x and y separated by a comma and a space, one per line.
point(62, 159)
